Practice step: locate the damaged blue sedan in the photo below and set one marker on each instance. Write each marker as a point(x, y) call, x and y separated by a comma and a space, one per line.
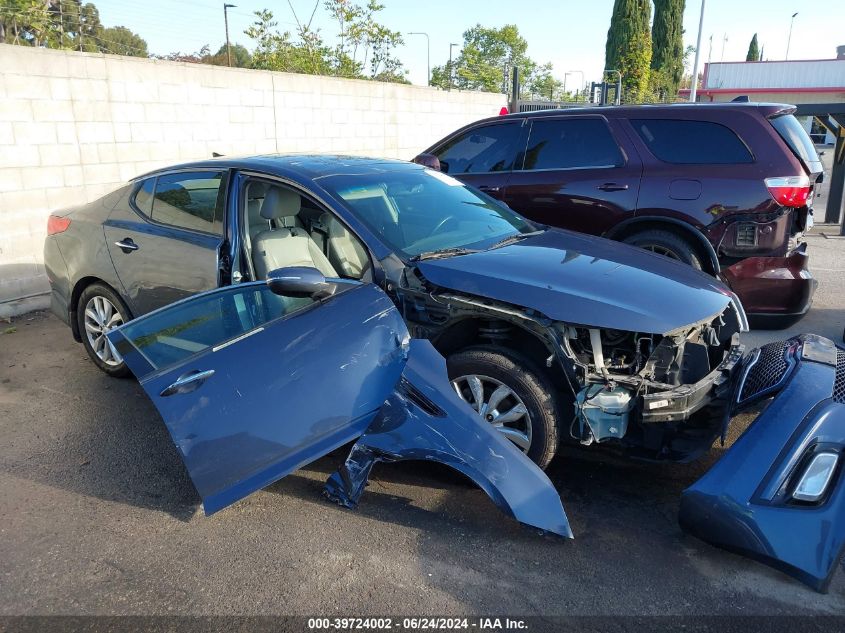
point(356, 278)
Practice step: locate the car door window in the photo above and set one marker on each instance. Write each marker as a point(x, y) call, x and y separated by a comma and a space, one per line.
point(481, 150)
point(571, 144)
point(178, 332)
point(191, 200)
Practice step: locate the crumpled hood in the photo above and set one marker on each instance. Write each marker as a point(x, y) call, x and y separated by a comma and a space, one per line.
point(586, 280)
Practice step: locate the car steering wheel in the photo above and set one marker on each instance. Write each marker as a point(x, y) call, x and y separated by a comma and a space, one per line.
point(443, 223)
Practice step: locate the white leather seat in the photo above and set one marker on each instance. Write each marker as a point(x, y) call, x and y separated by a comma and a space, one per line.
point(285, 245)
point(346, 253)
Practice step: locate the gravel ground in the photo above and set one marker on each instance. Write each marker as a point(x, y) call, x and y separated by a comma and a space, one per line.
point(98, 516)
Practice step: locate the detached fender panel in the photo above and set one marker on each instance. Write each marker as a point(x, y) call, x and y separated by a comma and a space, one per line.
point(746, 502)
point(424, 420)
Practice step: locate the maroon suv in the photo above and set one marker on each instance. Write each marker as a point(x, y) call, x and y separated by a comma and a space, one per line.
point(727, 188)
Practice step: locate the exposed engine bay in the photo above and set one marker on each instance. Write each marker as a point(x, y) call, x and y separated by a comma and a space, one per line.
point(656, 396)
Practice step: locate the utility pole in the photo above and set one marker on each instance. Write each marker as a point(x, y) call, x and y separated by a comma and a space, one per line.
point(789, 39)
point(427, 55)
point(226, 8)
point(694, 83)
point(451, 46)
point(724, 41)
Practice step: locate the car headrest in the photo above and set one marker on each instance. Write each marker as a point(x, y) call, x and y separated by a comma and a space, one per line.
point(280, 203)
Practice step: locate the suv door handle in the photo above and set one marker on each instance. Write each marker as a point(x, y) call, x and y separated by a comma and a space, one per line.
point(187, 383)
point(126, 245)
point(489, 189)
point(612, 186)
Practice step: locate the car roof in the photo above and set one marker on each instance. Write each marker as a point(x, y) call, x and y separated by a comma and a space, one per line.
point(673, 108)
point(310, 166)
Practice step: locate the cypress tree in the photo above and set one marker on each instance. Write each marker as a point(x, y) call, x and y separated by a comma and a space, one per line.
point(628, 47)
point(667, 52)
point(753, 51)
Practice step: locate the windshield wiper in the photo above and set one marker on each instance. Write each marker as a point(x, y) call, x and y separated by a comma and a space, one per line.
point(517, 237)
point(443, 252)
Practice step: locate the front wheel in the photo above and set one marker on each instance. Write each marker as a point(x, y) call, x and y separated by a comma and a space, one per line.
point(509, 392)
point(100, 310)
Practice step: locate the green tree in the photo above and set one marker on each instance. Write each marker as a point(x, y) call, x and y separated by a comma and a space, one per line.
point(753, 51)
point(365, 48)
point(25, 22)
point(628, 47)
point(487, 59)
point(119, 40)
point(667, 46)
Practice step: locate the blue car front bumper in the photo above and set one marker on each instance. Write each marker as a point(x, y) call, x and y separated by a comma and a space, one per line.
point(754, 500)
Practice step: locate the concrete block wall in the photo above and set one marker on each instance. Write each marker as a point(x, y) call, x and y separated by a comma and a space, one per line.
point(75, 125)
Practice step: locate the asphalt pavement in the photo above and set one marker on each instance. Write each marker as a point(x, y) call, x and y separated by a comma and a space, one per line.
point(98, 516)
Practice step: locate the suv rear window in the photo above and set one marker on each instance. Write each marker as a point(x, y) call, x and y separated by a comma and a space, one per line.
point(692, 142)
point(794, 135)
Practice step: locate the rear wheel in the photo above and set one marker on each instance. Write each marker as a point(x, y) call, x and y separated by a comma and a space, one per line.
point(668, 244)
point(509, 392)
point(100, 310)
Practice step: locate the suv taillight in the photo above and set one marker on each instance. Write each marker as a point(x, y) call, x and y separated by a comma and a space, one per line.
point(55, 224)
point(789, 191)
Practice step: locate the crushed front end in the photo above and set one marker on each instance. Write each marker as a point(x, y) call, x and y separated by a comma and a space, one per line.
point(777, 494)
point(658, 397)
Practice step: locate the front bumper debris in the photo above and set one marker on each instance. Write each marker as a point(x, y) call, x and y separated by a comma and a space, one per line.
point(747, 502)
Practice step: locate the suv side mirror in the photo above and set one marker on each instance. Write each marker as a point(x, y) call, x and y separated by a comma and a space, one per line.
point(300, 282)
point(428, 160)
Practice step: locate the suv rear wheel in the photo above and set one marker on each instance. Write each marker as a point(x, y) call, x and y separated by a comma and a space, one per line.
point(668, 244)
point(98, 311)
point(508, 391)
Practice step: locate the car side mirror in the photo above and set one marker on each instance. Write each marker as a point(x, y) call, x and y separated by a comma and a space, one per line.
point(428, 160)
point(300, 282)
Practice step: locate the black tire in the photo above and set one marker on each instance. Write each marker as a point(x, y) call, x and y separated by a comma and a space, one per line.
point(526, 381)
point(90, 293)
point(669, 244)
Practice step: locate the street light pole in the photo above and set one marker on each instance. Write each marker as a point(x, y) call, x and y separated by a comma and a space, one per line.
point(226, 8)
point(789, 39)
point(694, 83)
point(581, 85)
point(451, 46)
point(427, 55)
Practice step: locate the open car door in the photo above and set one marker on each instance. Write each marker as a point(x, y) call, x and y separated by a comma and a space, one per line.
point(253, 385)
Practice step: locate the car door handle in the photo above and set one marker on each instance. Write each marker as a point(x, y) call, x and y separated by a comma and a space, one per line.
point(612, 186)
point(187, 383)
point(127, 245)
point(489, 189)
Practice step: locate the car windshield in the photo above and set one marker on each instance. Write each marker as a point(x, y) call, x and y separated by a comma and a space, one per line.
point(422, 213)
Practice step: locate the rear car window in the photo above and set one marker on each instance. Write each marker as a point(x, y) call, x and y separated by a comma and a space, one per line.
point(794, 135)
point(571, 144)
point(692, 142)
point(189, 201)
point(481, 150)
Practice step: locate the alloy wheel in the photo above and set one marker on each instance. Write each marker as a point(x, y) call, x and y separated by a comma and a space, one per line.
point(499, 405)
point(661, 250)
point(101, 316)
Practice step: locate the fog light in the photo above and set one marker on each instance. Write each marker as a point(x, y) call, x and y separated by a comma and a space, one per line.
point(816, 477)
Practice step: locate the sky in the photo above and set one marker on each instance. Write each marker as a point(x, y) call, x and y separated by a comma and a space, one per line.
point(568, 33)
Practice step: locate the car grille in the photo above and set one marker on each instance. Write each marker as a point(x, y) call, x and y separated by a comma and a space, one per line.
point(839, 382)
point(767, 372)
